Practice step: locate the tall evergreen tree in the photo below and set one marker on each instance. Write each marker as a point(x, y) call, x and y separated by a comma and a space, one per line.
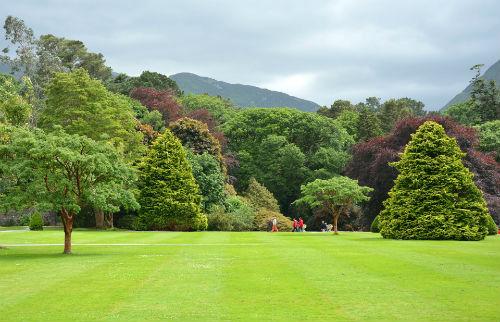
point(169, 196)
point(434, 196)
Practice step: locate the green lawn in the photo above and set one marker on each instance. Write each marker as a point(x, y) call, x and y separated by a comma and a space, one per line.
point(246, 276)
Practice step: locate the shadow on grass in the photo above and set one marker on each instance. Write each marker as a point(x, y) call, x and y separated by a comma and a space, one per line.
point(6, 255)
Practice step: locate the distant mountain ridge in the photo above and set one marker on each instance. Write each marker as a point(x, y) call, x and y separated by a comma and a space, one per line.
point(492, 73)
point(240, 95)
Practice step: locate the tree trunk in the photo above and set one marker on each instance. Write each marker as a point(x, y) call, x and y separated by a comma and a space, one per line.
point(99, 218)
point(335, 221)
point(67, 220)
point(109, 220)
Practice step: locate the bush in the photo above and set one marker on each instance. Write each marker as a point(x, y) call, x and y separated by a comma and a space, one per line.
point(264, 216)
point(259, 197)
point(237, 216)
point(219, 220)
point(492, 227)
point(374, 227)
point(24, 220)
point(126, 222)
point(36, 221)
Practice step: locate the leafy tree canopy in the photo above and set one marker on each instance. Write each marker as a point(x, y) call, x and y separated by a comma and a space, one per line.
point(221, 109)
point(64, 171)
point(336, 195)
point(124, 84)
point(82, 105)
point(209, 177)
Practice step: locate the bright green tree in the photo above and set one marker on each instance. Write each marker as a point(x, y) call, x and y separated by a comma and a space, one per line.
point(336, 195)
point(169, 196)
point(221, 109)
point(82, 105)
point(259, 197)
point(434, 196)
point(15, 107)
point(62, 172)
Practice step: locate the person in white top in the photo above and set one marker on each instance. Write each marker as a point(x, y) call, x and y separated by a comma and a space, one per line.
point(275, 225)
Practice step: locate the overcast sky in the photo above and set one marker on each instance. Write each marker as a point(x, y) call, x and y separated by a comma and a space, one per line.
point(317, 50)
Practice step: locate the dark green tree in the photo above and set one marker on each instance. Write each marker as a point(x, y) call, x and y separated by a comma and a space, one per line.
point(124, 84)
point(434, 196)
point(209, 177)
point(169, 196)
point(368, 125)
point(485, 97)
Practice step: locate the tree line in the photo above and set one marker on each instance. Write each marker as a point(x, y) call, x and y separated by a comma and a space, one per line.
point(101, 149)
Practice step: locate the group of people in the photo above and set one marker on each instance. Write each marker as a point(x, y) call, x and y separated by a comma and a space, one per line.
point(298, 225)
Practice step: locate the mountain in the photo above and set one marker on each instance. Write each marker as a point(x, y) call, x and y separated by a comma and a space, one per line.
point(492, 73)
point(240, 95)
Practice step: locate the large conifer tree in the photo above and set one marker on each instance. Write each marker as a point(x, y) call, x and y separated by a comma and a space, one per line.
point(434, 196)
point(169, 196)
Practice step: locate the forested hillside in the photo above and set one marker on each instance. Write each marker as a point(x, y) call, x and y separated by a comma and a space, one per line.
point(240, 95)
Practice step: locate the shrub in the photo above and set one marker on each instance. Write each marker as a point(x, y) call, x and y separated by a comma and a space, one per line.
point(242, 215)
point(264, 216)
point(375, 226)
point(259, 197)
point(24, 220)
point(126, 222)
point(237, 216)
point(492, 227)
point(434, 196)
point(36, 221)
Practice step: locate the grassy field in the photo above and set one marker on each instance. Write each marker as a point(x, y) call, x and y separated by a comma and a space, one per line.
point(143, 276)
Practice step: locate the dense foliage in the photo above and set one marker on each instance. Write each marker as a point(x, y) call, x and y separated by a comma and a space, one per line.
point(124, 84)
point(82, 105)
point(434, 196)
point(209, 177)
point(163, 101)
point(283, 148)
point(169, 196)
point(36, 221)
point(370, 163)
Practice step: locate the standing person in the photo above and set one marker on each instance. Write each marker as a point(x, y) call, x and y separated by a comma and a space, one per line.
point(301, 224)
point(275, 225)
point(295, 225)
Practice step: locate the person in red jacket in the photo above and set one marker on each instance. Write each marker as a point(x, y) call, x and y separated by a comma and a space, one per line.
point(301, 224)
point(295, 225)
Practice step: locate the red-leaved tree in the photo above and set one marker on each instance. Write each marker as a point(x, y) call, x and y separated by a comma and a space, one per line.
point(369, 164)
point(164, 101)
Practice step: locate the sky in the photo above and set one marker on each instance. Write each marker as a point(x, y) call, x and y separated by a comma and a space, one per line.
point(316, 50)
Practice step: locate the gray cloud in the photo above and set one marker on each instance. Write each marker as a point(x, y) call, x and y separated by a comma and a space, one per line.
point(318, 50)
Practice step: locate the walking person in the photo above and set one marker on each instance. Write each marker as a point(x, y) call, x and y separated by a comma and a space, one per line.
point(295, 225)
point(301, 224)
point(275, 225)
